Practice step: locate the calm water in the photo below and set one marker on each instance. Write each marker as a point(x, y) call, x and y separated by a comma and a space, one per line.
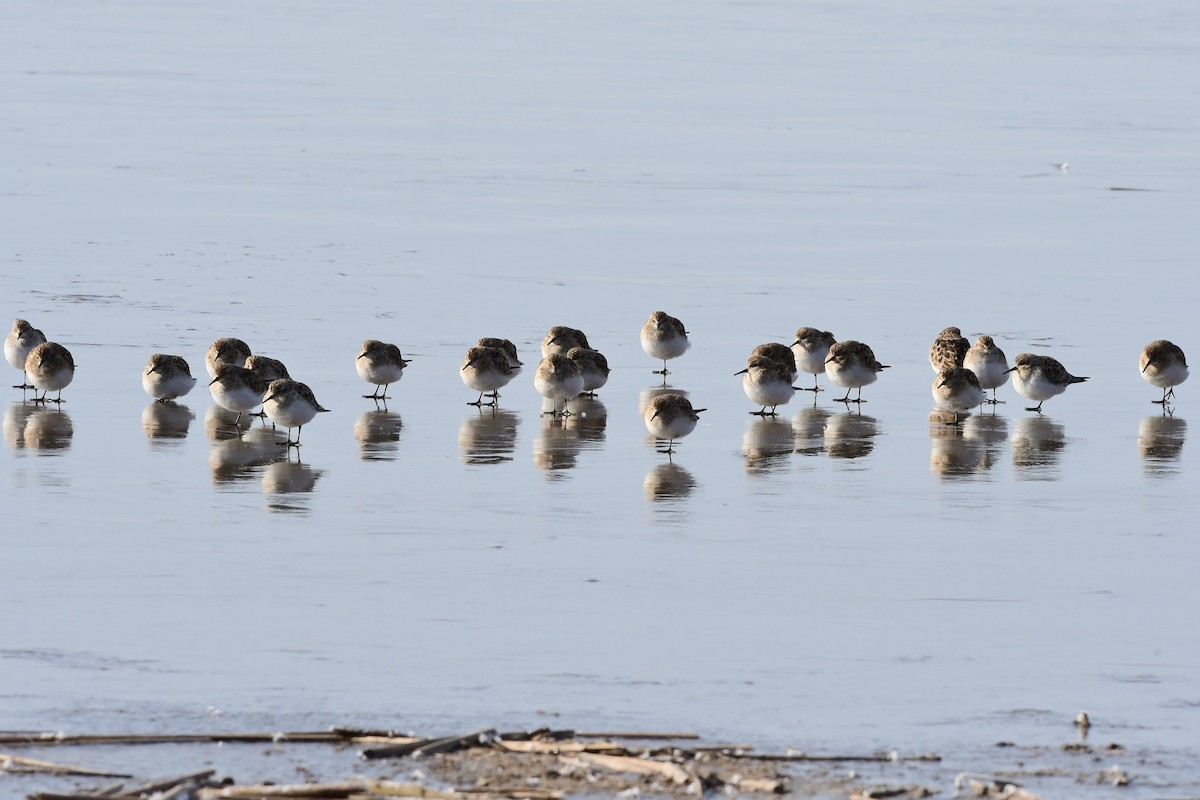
point(306, 177)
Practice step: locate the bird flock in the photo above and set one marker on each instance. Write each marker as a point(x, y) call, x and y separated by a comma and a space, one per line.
point(242, 381)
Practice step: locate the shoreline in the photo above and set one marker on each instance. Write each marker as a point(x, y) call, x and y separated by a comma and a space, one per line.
point(554, 764)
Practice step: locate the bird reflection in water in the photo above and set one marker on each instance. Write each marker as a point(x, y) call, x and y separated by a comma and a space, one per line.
point(166, 422)
point(589, 419)
point(489, 437)
point(953, 455)
point(767, 443)
point(808, 429)
point(378, 432)
point(989, 432)
point(287, 477)
point(219, 424)
point(1037, 447)
point(41, 429)
point(15, 417)
point(556, 448)
point(237, 458)
point(668, 481)
point(850, 435)
point(1160, 442)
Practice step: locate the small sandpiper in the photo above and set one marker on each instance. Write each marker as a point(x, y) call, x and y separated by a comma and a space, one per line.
point(167, 377)
point(593, 366)
point(236, 389)
point(381, 364)
point(852, 365)
point(811, 348)
point(268, 369)
point(957, 390)
point(50, 368)
point(508, 347)
point(291, 404)
point(1163, 365)
point(486, 370)
point(1040, 378)
point(558, 378)
point(17, 345)
point(767, 382)
point(225, 351)
point(948, 350)
point(560, 339)
point(664, 337)
point(988, 363)
point(671, 417)
point(777, 351)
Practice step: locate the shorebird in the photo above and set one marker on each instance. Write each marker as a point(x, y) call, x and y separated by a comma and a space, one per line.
point(671, 417)
point(560, 339)
point(1163, 365)
point(17, 345)
point(852, 365)
point(1040, 378)
point(486, 369)
point(291, 404)
point(948, 349)
point(380, 364)
point(167, 377)
point(811, 348)
point(558, 378)
point(781, 353)
point(664, 337)
point(958, 390)
point(988, 363)
point(50, 368)
point(225, 351)
point(767, 382)
point(268, 369)
point(508, 347)
point(236, 389)
point(593, 366)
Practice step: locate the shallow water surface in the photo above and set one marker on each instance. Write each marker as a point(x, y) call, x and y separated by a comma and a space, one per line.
point(833, 577)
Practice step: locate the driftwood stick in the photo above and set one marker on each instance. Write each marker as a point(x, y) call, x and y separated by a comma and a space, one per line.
point(430, 746)
point(764, 785)
point(393, 789)
point(395, 750)
point(42, 739)
point(517, 792)
point(169, 794)
point(690, 751)
point(638, 766)
point(873, 758)
point(539, 734)
point(170, 783)
point(634, 735)
point(559, 748)
point(385, 740)
point(452, 743)
point(340, 789)
point(336, 791)
point(10, 763)
point(348, 732)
